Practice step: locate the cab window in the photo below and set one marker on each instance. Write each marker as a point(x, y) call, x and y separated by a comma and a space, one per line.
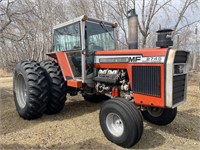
point(99, 36)
point(67, 38)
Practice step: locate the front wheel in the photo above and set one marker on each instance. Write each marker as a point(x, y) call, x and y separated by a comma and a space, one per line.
point(121, 122)
point(159, 116)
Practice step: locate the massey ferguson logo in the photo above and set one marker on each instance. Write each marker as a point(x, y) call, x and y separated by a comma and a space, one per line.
point(129, 59)
point(140, 58)
point(135, 59)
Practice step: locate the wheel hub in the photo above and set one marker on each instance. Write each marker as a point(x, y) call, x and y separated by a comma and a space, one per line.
point(114, 124)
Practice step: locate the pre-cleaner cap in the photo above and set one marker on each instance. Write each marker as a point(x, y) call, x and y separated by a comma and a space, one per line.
point(164, 38)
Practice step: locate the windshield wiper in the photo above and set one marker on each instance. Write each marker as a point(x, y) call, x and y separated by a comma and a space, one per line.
point(105, 29)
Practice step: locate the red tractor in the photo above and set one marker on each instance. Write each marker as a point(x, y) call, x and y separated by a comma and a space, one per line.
point(137, 83)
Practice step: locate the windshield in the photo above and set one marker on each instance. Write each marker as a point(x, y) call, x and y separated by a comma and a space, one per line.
point(67, 38)
point(99, 36)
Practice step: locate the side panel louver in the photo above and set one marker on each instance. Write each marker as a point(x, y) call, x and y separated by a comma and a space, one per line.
point(178, 88)
point(181, 57)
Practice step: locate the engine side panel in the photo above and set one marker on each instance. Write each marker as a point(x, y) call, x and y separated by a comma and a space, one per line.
point(157, 77)
point(150, 59)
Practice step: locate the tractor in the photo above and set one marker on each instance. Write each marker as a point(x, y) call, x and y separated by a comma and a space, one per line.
point(135, 83)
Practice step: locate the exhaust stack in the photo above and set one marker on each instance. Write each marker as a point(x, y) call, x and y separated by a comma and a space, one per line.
point(132, 29)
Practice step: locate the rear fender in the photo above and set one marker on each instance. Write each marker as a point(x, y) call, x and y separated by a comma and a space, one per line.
point(62, 59)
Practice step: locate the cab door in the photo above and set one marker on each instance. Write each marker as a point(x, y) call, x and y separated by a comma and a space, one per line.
point(97, 36)
point(68, 39)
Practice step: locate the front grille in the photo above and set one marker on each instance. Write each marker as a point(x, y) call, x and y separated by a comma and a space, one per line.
point(146, 80)
point(178, 88)
point(181, 57)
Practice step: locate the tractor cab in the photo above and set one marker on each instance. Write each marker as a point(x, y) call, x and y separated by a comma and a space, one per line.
point(79, 39)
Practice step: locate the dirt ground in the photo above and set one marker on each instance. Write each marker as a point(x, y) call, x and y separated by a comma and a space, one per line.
point(77, 126)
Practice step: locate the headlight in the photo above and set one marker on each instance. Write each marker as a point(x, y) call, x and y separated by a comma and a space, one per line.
point(178, 69)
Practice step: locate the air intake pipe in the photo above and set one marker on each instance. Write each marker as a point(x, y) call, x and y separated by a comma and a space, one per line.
point(132, 29)
point(164, 38)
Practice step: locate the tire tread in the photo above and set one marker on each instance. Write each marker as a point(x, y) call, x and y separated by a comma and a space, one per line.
point(57, 84)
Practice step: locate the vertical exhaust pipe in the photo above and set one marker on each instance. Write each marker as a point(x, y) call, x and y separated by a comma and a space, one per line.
point(132, 29)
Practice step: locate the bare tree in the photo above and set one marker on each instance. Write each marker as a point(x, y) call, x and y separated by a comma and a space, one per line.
point(187, 38)
point(117, 11)
point(79, 7)
point(99, 8)
point(149, 9)
point(26, 25)
point(181, 14)
point(26, 29)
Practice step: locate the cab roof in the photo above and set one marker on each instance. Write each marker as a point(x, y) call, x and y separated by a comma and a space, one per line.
point(84, 18)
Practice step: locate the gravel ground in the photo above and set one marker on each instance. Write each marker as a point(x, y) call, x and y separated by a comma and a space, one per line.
point(77, 126)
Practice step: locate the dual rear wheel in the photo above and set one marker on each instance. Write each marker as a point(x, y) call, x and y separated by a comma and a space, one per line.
point(38, 88)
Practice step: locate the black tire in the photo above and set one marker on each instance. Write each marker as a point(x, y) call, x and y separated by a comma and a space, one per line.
point(93, 98)
point(57, 87)
point(128, 117)
point(159, 116)
point(30, 89)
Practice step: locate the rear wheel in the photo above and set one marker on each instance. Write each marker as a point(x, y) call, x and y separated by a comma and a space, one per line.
point(121, 122)
point(57, 85)
point(30, 89)
point(159, 116)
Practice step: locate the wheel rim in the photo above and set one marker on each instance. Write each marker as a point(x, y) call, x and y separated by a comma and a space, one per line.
point(21, 91)
point(114, 124)
point(155, 112)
